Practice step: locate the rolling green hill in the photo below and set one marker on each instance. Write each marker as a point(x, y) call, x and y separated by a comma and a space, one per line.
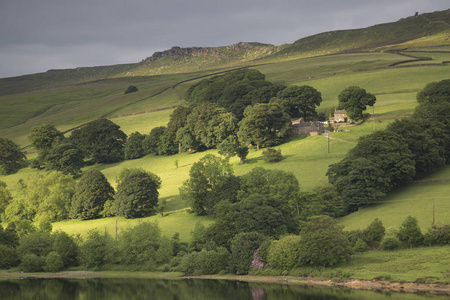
point(68, 98)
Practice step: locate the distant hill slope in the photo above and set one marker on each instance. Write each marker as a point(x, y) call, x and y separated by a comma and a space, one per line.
point(407, 29)
point(201, 59)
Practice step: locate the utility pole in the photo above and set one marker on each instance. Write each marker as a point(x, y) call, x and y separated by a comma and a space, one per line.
point(328, 138)
point(433, 210)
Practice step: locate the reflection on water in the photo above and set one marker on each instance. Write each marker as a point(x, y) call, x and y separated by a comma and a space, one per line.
point(180, 289)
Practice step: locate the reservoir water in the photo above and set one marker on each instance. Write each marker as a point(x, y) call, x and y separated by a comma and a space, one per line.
point(181, 289)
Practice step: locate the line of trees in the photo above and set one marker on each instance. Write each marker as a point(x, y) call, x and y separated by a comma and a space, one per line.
point(320, 242)
point(54, 196)
point(406, 150)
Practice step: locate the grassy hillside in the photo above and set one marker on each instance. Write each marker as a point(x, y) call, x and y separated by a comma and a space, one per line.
point(73, 97)
point(407, 29)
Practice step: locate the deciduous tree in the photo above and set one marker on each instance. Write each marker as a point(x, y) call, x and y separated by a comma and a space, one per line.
point(43, 136)
point(137, 193)
point(91, 193)
point(302, 100)
point(324, 243)
point(355, 100)
point(101, 140)
point(264, 125)
point(211, 180)
point(11, 157)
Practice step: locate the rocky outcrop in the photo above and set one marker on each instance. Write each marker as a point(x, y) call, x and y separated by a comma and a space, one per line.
point(176, 53)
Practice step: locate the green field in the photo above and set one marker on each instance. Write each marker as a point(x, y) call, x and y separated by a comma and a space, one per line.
point(409, 265)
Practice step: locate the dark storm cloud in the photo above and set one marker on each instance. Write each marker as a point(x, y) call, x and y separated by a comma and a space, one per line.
point(45, 34)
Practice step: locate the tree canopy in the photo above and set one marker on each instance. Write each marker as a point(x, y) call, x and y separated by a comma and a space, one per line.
point(91, 193)
point(44, 198)
point(264, 125)
point(211, 180)
point(323, 243)
point(43, 136)
point(355, 100)
point(137, 193)
point(101, 140)
point(11, 157)
point(64, 157)
point(435, 92)
point(302, 100)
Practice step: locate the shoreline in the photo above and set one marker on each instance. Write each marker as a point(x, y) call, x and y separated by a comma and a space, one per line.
point(356, 284)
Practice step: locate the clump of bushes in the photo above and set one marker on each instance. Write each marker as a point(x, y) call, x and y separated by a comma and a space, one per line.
point(131, 89)
point(272, 155)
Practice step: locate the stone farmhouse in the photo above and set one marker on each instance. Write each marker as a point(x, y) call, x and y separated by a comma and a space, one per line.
point(339, 116)
point(310, 128)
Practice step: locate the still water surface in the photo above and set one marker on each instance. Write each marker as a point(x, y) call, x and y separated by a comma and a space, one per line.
point(180, 289)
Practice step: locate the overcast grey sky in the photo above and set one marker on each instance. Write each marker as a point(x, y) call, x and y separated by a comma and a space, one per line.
point(38, 35)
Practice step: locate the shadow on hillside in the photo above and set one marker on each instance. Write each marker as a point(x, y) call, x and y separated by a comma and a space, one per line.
point(174, 202)
point(254, 160)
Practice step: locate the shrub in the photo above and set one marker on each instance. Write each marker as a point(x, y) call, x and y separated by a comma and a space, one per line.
point(324, 243)
point(32, 263)
point(409, 232)
point(205, 262)
point(360, 246)
point(437, 235)
point(66, 247)
point(272, 155)
point(390, 243)
point(131, 89)
point(285, 253)
point(97, 250)
point(243, 247)
point(374, 233)
point(53, 262)
point(8, 257)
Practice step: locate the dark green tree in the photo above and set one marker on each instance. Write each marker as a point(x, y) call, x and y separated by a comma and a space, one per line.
point(435, 92)
point(302, 100)
point(262, 181)
point(211, 124)
point(101, 140)
point(264, 125)
point(134, 146)
point(151, 142)
point(43, 136)
point(231, 147)
point(390, 152)
point(91, 193)
point(211, 180)
point(324, 243)
point(374, 233)
point(426, 139)
point(11, 157)
point(355, 100)
point(272, 155)
point(97, 250)
point(409, 232)
point(264, 213)
point(359, 181)
point(233, 91)
point(243, 247)
point(168, 143)
point(143, 245)
point(66, 247)
point(131, 89)
point(137, 193)
point(64, 157)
